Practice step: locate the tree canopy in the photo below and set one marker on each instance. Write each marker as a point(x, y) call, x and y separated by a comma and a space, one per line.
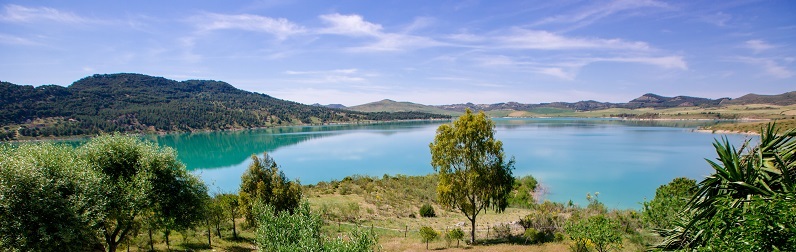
point(264, 182)
point(101, 192)
point(473, 172)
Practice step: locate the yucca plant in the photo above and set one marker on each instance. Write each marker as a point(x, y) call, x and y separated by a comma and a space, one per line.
point(763, 172)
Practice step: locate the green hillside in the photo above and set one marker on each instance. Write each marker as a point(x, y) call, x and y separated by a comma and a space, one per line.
point(387, 105)
point(140, 103)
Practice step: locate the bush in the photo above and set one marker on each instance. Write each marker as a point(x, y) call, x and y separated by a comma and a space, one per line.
point(301, 231)
point(531, 235)
point(502, 231)
point(596, 231)
point(427, 211)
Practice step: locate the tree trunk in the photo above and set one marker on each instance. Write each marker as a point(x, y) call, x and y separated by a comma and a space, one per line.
point(166, 235)
point(234, 230)
point(472, 231)
point(151, 241)
point(209, 234)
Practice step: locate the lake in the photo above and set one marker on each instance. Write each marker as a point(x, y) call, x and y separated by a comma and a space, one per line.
point(625, 161)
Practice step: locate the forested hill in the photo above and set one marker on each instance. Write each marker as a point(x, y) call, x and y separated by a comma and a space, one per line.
point(140, 103)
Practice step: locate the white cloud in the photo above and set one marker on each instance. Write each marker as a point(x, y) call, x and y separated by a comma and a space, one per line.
point(757, 45)
point(351, 75)
point(356, 26)
point(279, 27)
point(21, 14)
point(352, 25)
point(544, 40)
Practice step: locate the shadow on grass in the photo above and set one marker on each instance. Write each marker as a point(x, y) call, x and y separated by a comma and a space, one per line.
point(517, 240)
point(239, 239)
point(237, 248)
point(193, 246)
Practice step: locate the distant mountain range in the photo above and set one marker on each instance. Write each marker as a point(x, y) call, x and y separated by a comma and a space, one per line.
point(140, 103)
point(645, 101)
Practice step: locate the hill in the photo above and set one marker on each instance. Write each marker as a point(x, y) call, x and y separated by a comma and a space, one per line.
point(387, 105)
point(785, 99)
point(140, 103)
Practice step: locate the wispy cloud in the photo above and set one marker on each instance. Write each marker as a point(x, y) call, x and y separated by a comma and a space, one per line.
point(590, 14)
point(14, 40)
point(279, 27)
point(544, 40)
point(351, 25)
point(718, 19)
point(757, 45)
point(349, 75)
point(21, 14)
point(771, 66)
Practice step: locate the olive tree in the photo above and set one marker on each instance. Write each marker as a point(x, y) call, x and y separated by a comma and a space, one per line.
point(473, 173)
point(146, 185)
point(264, 182)
point(48, 199)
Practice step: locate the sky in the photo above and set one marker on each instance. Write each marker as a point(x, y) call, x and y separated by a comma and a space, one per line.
point(429, 52)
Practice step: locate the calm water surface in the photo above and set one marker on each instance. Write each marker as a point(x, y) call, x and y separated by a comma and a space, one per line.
point(625, 161)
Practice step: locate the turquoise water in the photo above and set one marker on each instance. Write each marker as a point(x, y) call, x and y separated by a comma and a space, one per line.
point(625, 161)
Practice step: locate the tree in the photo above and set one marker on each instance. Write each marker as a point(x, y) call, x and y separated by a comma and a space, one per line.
point(473, 175)
point(146, 183)
point(522, 192)
point(264, 181)
point(667, 206)
point(455, 234)
point(428, 234)
point(49, 200)
point(231, 204)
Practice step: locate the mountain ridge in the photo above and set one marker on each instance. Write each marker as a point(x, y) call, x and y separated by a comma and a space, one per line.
point(129, 102)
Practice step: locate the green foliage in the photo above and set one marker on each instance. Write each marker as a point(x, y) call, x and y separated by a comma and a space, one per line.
point(283, 231)
point(454, 234)
point(301, 231)
point(597, 231)
point(427, 211)
point(732, 207)
point(522, 192)
point(428, 234)
point(146, 185)
point(473, 173)
point(102, 192)
point(263, 181)
point(230, 204)
point(669, 203)
point(48, 199)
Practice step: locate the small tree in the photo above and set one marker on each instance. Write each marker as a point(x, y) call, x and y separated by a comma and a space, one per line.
point(264, 181)
point(473, 174)
point(231, 204)
point(428, 234)
point(456, 234)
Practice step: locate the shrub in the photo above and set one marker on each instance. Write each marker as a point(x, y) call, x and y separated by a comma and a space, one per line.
point(531, 235)
point(427, 211)
point(598, 231)
point(502, 231)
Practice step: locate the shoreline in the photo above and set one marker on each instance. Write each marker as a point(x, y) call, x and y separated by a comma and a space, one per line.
point(163, 133)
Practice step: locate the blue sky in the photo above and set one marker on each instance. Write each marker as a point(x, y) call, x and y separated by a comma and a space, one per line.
point(430, 52)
